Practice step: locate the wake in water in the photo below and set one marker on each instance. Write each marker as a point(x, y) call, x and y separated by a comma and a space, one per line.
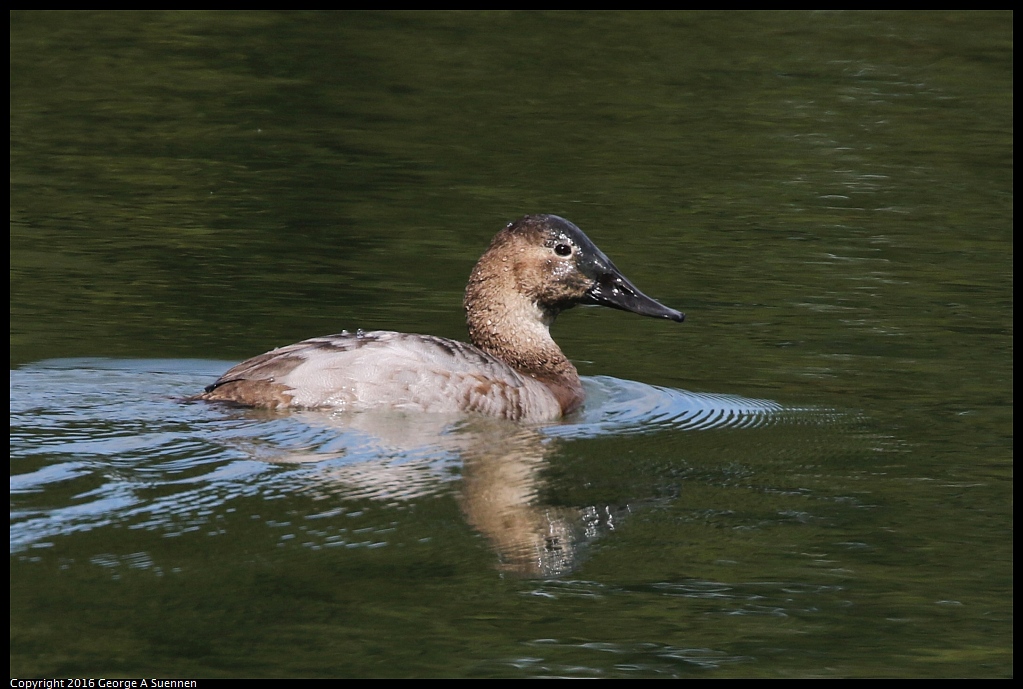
point(98, 442)
point(617, 407)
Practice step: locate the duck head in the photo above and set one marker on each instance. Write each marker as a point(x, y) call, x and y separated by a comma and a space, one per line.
point(553, 265)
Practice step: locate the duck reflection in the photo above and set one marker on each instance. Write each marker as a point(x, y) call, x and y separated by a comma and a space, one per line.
point(408, 456)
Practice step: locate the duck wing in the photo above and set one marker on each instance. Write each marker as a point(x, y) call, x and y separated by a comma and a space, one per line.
point(381, 369)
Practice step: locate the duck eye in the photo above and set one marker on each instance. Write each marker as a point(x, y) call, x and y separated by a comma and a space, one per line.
point(563, 250)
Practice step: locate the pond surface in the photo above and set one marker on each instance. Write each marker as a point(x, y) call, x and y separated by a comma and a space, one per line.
point(811, 476)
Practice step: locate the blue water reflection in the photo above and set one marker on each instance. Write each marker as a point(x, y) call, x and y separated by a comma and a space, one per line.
point(96, 442)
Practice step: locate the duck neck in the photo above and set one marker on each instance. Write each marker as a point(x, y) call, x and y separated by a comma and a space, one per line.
point(513, 328)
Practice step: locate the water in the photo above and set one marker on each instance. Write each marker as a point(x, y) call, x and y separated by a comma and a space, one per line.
point(811, 476)
point(180, 462)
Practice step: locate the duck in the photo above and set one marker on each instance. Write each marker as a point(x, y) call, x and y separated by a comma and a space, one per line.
point(535, 268)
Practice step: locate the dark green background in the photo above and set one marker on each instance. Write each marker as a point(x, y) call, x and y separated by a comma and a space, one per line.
point(828, 196)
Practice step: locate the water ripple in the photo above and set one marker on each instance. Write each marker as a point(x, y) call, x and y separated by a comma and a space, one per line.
point(100, 441)
point(620, 407)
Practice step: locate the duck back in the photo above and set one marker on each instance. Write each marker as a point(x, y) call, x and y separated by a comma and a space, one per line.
point(381, 369)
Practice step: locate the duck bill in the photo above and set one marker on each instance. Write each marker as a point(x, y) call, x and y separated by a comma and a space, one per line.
point(614, 290)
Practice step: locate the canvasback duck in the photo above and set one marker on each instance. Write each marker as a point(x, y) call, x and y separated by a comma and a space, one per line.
point(535, 268)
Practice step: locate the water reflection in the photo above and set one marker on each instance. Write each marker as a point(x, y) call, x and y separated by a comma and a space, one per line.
point(393, 456)
point(99, 442)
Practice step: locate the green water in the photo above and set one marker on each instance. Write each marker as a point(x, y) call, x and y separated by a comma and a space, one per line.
point(828, 196)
